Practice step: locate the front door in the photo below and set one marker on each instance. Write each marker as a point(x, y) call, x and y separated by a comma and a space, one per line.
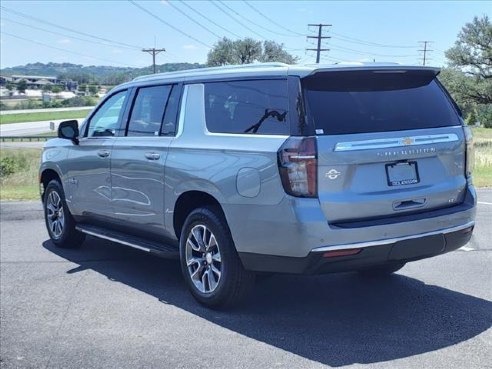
point(89, 178)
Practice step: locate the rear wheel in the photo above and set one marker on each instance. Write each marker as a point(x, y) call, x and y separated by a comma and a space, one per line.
point(59, 221)
point(209, 261)
point(382, 270)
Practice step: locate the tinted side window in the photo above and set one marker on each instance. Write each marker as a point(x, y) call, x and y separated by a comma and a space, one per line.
point(148, 111)
point(247, 107)
point(171, 114)
point(105, 121)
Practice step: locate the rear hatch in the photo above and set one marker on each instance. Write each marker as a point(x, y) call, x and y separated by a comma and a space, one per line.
point(390, 142)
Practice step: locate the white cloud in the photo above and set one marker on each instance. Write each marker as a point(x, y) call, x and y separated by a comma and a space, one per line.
point(190, 47)
point(164, 2)
point(64, 41)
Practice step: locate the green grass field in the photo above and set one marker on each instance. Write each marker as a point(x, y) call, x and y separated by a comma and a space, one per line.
point(36, 117)
point(23, 184)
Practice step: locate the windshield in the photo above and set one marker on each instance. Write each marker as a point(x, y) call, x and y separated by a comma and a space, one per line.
point(366, 101)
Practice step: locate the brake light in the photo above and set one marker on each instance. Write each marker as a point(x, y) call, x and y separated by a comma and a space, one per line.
point(298, 166)
point(470, 152)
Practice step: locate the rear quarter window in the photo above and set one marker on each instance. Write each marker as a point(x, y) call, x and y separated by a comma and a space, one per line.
point(247, 107)
point(361, 102)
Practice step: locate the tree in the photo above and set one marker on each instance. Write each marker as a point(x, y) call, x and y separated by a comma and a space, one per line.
point(274, 52)
point(473, 49)
point(22, 85)
point(47, 87)
point(247, 51)
point(56, 89)
point(9, 86)
point(469, 79)
point(93, 89)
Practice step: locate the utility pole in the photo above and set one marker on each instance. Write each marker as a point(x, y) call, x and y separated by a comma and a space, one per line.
point(425, 50)
point(153, 52)
point(319, 37)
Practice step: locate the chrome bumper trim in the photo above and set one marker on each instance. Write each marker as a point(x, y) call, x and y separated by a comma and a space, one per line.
point(387, 241)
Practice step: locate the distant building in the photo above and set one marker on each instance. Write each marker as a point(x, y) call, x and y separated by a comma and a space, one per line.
point(38, 82)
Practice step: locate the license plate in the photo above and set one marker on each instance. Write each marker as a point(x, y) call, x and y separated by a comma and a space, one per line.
point(400, 174)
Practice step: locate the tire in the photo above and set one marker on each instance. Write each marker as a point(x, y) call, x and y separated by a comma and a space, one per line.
point(381, 270)
point(210, 264)
point(59, 222)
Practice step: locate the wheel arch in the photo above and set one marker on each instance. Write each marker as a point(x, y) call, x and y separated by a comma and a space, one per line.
point(187, 202)
point(47, 175)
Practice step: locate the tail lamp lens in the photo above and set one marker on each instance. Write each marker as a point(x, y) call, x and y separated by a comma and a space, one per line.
point(298, 166)
point(470, 152)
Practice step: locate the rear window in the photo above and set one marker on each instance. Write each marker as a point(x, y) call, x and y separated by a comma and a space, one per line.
point(247, 107)
point(365, 101)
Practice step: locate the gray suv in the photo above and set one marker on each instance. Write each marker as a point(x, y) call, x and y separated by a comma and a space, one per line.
point(267, 168)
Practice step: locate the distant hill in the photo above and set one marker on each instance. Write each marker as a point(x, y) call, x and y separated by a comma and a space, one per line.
point(99, 74)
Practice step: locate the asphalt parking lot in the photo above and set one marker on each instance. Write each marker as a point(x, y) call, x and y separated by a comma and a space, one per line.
point(108, 306)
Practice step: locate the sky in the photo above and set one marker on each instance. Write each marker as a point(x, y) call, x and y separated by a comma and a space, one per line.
point(115, 32)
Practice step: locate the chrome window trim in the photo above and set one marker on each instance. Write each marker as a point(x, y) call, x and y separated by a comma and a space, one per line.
point(405, 141)
point(387, 241)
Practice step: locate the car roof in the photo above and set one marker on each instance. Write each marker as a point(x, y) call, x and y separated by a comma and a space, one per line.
point(264, 70)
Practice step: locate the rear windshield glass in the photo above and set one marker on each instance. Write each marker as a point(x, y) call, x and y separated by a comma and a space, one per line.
point(359, 102)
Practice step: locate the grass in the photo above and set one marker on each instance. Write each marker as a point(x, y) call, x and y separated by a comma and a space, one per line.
point(23, 184)
point(41, 116)
point(482, 175)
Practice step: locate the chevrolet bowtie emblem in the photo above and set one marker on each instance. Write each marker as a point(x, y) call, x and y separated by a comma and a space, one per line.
point(332, 174)
point(408, 141)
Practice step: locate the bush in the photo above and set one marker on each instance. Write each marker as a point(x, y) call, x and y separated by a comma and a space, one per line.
point(11, 164)
point(7, 167)
point(484, 113)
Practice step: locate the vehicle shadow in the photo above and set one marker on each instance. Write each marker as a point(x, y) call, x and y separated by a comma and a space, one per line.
point(337, 319)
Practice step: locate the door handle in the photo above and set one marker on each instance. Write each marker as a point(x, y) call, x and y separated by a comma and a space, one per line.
point(103, 153)
point(152, 155)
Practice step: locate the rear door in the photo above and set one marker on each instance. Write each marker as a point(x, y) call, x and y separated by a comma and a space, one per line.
point(390, 142)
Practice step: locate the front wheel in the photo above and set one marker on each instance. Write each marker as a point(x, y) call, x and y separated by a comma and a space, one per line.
point(209, 261)
point(59, 221)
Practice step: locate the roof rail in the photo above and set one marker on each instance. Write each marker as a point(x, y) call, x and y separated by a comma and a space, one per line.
point(223, 67)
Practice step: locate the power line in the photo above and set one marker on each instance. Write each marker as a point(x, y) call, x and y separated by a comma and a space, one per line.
point(367, 43)
point(216, 4)
point(153, 52)
point(319, 38)
point(271, 20)
point(210, 20)
point(68, 29)
point(341, 48)
point(193, 20)
point(65, 50)
point(253, 22)
point(63, 34)
point(168, 24)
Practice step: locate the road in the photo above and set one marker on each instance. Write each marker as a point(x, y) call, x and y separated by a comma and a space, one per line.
point(107, 306)
point(29, 128)
point(49, 110)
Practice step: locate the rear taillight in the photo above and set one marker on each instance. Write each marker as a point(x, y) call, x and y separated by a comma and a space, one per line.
point(470, 152)
point(298, 166)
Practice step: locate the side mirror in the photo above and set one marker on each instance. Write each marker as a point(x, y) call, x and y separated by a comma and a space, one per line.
point(69, 129)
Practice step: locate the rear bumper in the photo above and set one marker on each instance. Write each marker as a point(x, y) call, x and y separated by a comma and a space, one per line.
point(371, 253)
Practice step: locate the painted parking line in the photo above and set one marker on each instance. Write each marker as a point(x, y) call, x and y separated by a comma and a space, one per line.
point(466, 248)
point(484, 203)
